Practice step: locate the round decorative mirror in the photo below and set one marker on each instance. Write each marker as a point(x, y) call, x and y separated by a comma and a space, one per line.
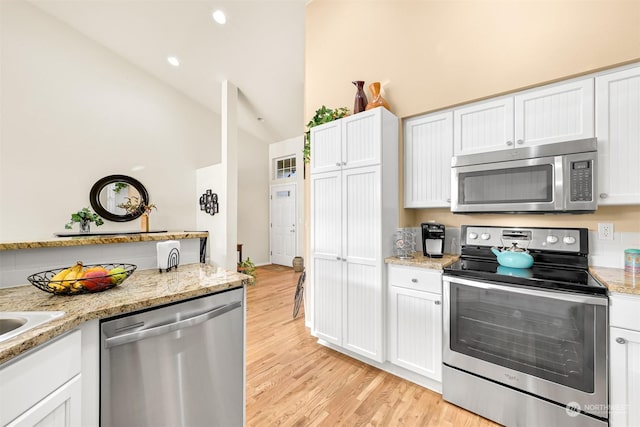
point(108, 194)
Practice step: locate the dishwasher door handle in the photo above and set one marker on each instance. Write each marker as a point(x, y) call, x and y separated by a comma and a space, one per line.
point(171, 327)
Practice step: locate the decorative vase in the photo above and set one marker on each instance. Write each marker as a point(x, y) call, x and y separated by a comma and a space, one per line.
point(85, 226)
point(360, 102)
point(144, 223)
point(376, 99)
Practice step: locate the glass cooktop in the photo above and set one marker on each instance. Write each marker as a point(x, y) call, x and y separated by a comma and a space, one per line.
point(542, 276)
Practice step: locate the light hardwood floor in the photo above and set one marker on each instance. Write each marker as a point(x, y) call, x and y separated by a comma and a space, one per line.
point(294, 381)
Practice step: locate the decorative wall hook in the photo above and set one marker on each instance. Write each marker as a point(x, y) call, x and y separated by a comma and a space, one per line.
point(209, 202)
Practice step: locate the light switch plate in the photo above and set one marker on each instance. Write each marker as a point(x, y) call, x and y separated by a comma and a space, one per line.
point(605, 231)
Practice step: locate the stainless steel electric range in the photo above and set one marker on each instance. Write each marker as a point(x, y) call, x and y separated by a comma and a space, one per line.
point(526, 347)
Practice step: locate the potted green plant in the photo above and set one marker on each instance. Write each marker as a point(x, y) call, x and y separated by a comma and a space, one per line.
point(322, 115)
point(84, 217)
point(248, 267)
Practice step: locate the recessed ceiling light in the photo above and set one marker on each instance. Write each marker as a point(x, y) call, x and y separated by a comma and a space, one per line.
point(173, 61)
point(219, 17)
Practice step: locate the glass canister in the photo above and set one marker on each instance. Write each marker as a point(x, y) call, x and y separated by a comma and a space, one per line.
point(404, 243)
point(632, 260)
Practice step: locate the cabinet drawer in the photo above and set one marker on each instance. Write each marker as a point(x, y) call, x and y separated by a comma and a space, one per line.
point(420, 279)
point(624, 311)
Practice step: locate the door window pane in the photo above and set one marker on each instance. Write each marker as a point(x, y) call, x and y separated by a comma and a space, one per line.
point(285, 168)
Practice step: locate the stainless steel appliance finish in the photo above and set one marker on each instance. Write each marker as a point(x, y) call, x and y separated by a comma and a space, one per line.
point(178, 365)
point(548, 178)
point(534, 341)
point(433, 239)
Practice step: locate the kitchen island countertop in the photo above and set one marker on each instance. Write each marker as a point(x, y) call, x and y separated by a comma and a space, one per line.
point(146, 288)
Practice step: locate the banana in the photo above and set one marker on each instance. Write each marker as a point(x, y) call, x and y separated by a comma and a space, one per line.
point(58, 277)
point(73, 275)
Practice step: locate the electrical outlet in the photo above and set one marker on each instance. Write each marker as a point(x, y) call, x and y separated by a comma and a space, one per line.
point(605, 231)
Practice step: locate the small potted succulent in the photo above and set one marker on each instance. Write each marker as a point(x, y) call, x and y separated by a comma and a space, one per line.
point(248, 267)
point(84, 217)
point(134, 205)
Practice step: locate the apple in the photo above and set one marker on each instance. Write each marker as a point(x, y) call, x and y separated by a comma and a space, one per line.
point(95, 278)
point(118, 274)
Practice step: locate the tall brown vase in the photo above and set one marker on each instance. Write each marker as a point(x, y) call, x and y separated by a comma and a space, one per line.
point(144, 223)
point(376, 99)
point(360, 102)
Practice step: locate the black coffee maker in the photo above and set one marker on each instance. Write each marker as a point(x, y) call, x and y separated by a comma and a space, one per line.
point(432, 239)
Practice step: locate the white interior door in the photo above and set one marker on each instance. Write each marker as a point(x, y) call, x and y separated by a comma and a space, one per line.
point(284, 230)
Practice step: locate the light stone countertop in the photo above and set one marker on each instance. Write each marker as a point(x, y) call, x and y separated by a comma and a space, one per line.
point(57, 242)
point(143, 289)
point(419, 260)
point(617, 280)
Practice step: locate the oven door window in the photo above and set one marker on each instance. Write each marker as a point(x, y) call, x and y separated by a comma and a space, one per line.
point(526, 184)
point(545, 337)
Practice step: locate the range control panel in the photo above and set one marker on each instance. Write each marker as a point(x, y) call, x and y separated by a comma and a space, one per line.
point(550, 239)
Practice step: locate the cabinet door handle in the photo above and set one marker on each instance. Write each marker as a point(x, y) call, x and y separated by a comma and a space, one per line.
point(414, 280)
point(448, 200)
point(621, 340)
point(436, 302)
point(603, 195)
point(338, 164)
point(520, 141)
point(509, 142)
point(344, 163)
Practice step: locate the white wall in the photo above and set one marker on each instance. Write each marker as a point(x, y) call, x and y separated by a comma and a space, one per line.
point(73, 112)
point(286, 148)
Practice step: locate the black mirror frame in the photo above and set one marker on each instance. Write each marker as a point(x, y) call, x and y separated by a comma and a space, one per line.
point(94, 197)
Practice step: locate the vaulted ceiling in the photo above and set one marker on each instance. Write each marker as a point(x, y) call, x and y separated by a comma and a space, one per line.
point(260, 50)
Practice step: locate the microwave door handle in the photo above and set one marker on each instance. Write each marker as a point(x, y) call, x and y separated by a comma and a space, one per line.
point(561, 175)
point(171, 327)
point(583, 299)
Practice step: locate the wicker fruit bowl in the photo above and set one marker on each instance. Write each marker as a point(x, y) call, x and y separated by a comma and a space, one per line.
point(82, 279)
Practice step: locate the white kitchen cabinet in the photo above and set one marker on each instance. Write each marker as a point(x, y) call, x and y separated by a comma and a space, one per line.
point(415, 320)
point(624, 360)
point(43, 387)
point(618, 133)
point(347, 143)
point(428, 147)
point(544, 115)
point(354, 214)
point(483, 126)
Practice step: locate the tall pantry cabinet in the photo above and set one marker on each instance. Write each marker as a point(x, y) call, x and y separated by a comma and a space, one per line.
point(354, 214)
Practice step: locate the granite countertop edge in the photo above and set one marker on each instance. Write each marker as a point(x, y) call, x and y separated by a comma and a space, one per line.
point(100, 240)
point(144, 289)
point(616, 280)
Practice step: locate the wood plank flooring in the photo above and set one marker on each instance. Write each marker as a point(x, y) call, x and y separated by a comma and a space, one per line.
point(294, 381)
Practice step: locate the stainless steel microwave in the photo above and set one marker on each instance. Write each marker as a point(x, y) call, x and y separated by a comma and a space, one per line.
point(551, 178)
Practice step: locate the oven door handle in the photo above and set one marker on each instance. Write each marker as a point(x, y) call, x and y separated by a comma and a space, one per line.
point(584, 299)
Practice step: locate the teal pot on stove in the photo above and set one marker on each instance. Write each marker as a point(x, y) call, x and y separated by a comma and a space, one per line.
point(513, 257)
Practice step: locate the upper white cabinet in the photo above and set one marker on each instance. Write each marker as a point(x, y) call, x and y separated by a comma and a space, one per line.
point(349, 142)
point(554, 113)
point(428, 147)
point(354, 213)
point(483, 126)
point(618, 133)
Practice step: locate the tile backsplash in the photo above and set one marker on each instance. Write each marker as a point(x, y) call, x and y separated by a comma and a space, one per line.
point(17, 265)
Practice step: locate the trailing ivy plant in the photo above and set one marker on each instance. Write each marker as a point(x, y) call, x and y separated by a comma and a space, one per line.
point(323, 115)
point(248, 267)
point(84, 214)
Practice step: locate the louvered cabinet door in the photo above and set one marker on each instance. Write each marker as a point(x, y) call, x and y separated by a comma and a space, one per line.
point(555, 113)
point(428, 147)
point(326, 253)
point(362, 309)
point(618, 133)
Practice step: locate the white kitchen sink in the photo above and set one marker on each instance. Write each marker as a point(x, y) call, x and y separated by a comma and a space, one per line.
point(13, 323)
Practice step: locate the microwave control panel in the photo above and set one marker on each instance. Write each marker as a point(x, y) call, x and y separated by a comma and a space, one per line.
point(581, 181)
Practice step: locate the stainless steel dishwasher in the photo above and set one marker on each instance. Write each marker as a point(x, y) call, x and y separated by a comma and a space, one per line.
point(177, 365)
